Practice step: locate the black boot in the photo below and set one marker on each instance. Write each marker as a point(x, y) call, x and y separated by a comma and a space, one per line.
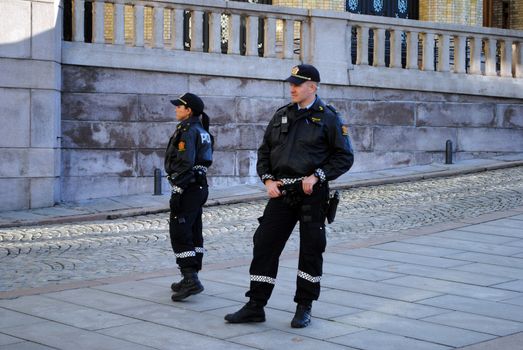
point(189, 285)
point(302, 317)
point(250, 312)
point(175, 287)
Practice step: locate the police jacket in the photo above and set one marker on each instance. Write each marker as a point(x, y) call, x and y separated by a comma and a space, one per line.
point(300, 143)
point(189, 148)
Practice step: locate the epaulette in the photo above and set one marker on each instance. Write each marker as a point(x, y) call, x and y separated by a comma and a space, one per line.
point(285, 106)
point(331, 107)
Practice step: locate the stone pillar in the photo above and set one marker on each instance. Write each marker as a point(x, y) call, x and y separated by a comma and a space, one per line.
point(270, 37)
point(288, 38)
point(506, 58)
point(412, 50)
point(460, 46)
point(234, 35)
point(518, 60)
point(475, 55)
point(138, 25)
point(158, 26)
point(379, 47)
point(444, 53)
point(215, 39)
point(332, 64)
point(363, 46)
point(428, 52)
point(30, 84)
point(490, 54)
point(252, 36)
point(119, 37)
point(395, 48)
point(178, 29)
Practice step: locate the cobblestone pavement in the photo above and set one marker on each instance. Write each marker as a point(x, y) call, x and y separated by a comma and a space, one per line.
point(39, 255)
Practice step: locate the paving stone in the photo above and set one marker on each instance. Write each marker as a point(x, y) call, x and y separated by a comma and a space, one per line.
point(477, 323)
point(475, 237)
point(455, 288)
point(356, 272)
point(447, 274)
point(490, 259)
point(60, 336)
point(515, 301)
point(97, 299)
point(416, 329)
point(511, 222)
point(372, 340)
point(403, 247)
point(277, 340)
point(508, 342)
point(25, 346)
point(373, 303)
point(6, 339)
point(494, 309)
point(66, 313)
point(495, 270)
point(167, 338)
point(465, 245)
point(405, 257)
point(513, 285)
point(9, 318)
point(357, 261)
point(498, 230)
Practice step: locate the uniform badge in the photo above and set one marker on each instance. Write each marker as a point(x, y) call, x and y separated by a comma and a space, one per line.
point(295, 70)
point(181, 146)
point(345, 130)
point(316, 120)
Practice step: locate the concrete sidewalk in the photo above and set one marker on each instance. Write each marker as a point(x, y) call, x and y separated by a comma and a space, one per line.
point(453, 285)
point(115, 207)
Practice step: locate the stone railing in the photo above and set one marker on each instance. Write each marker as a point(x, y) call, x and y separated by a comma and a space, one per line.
point(216, 37)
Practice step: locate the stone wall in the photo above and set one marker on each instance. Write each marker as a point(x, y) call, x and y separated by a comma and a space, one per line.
point(30, 38)
point(116, 123)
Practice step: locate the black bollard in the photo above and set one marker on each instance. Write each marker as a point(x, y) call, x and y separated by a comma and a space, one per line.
point(157, 182)
point(448, 152)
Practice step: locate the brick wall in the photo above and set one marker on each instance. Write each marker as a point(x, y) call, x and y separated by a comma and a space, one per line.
point(468, 12)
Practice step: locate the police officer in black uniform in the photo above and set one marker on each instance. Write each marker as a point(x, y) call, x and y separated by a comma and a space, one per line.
point(187, 157)
point(305, 145)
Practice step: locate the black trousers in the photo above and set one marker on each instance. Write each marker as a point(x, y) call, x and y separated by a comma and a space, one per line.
point(185, 227)
point(276, 225)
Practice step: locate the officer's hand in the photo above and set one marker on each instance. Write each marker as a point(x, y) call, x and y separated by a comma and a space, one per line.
point(307, 184)
point(273, 188)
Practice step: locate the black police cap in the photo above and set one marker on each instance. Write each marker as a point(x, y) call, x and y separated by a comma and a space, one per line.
point(302, 73)
point(190, 100)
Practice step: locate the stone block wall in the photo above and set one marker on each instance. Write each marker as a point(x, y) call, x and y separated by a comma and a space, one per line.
point(30, 37)
point(117, 122)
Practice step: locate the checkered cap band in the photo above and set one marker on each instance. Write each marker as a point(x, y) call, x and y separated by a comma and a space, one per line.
point(265, 279)
point(290, 181)
point(308, 277)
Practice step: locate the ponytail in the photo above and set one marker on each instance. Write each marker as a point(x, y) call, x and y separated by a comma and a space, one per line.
point(205, 124)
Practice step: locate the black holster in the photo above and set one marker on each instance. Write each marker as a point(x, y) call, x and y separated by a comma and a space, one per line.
point(332, 206)
point(293, 194)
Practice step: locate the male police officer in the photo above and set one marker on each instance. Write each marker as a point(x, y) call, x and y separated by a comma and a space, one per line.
point(305, 145)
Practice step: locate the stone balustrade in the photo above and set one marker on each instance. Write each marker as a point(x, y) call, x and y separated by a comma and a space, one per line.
point(216, 37)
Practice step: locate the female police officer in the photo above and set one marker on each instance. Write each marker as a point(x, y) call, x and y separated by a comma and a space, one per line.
point(187, 157)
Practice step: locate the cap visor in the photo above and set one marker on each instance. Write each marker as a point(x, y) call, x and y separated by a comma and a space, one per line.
point(295, 80)
point(177, 102)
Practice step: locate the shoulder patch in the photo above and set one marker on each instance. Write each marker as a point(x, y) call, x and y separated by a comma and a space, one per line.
point(181, 146)
point(345, 130)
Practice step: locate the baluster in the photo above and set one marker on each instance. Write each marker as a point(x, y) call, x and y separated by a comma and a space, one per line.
point(158, 26)
point(490, 54)
point(395, 48)
point(234, 35)
point(305, 41)
point(178, 29)
point(138, 25)
point(215, 33)
point(518, 60)
point(427, 62)
point(288, 41)
point(506, 58)
point(348, 44)
point(252, 36)
point(379, 47)
point(197, 30)
point(79, 10)
point(460, 48)
point(363, 46)
point(270, 37)
point(444, 53)
point(412, 50)
point(475, 55)
point(98, 19)
point(119, 29)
